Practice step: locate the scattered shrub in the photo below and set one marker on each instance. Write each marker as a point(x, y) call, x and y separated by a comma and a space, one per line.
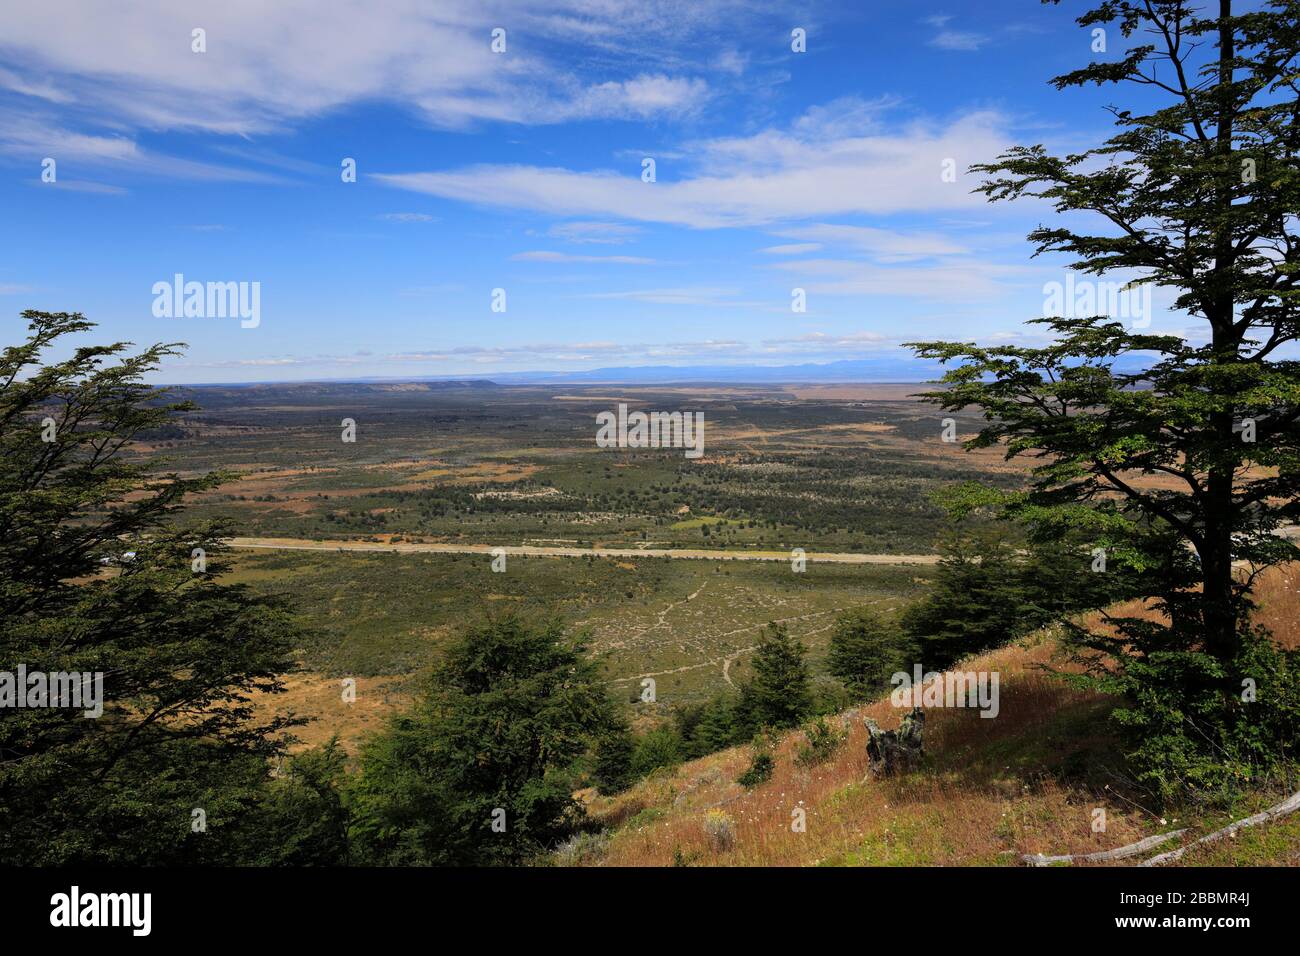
point(823, 740)
point(866, 648)
point(761, 764)
point(656, 749)
point(720, 829)
point(582, 848)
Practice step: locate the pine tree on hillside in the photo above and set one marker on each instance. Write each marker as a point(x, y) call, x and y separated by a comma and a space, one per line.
point(483, 768)
point(780, 693)
point(975, 602)
point(866, 648)
point(612, 763)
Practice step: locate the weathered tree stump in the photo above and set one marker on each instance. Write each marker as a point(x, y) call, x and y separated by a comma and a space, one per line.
point(895, 751)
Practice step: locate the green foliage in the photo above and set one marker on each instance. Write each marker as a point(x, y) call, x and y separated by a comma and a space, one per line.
point(1059, 576)
point(987, 592)
point(716, 727)
point(382, 613)
point(612, 764)
point(973, 605)
point(302, 820)
point(821, 742)
point(180, 651)
point(656, 749)
point(1189, 735)
point(866, 648)
point(761, 763)
point(780, 693)
point(507, 714)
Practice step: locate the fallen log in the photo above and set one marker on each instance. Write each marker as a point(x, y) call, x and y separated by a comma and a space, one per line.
point(1289, 805)
point(1102, 856)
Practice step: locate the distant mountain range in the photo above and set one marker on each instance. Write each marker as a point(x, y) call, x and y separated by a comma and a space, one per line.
point(879, 370)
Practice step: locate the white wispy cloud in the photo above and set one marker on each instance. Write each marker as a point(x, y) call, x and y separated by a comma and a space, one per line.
point(268, 65)
point(641, 97)
point(407, 217)
point(482, 359)
point(805, 172)
point(27, 87)
point(947, 280)
point(36, 136)
point(959, 40)
point(824, 342)
point(887, 245)
point(691, 295)
point(603, 233)
point(792, 249)
point(85, 186)
point(526, 354)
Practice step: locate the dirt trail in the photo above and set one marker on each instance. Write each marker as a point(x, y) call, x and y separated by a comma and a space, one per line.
point(727, 660)
point(535, 551)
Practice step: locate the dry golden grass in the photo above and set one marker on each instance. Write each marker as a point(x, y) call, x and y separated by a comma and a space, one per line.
point(1277, 597)
point(895, 392)
point(971, 812)
point(320, 699)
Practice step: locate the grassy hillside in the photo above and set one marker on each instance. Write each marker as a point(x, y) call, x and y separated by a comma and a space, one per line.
point(1027, 781)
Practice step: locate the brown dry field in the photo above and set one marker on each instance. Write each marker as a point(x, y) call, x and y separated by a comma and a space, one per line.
point(320, 699)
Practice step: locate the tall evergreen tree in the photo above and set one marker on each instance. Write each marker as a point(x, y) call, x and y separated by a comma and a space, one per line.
point(866, 648)
point(1182, 463)
point(717, 727)
point(612, 763)
point(97, 575)
point(780, 693)
point(988, 590)
point(975, 603)
point(482, 770)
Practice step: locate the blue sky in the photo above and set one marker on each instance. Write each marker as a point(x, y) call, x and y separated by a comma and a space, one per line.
point(522, 171)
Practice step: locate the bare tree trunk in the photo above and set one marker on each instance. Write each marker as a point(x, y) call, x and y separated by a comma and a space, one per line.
point(896, 751)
